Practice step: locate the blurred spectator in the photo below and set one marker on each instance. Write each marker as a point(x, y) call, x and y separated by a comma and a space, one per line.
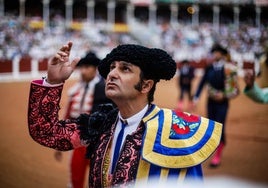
point(186, 75)
point(222, 86)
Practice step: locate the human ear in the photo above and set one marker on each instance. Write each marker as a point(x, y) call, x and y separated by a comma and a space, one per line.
point(147, 86)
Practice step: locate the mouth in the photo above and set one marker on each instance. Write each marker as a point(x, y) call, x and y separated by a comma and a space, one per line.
point(111, 85)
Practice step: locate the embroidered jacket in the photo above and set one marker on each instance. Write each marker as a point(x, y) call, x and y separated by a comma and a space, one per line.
point(166, 145)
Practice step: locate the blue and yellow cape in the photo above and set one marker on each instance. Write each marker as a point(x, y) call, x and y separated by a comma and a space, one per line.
point(176, 143)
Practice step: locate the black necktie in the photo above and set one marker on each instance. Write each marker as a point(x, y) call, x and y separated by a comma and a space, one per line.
point(83, 96)
point(118, 143)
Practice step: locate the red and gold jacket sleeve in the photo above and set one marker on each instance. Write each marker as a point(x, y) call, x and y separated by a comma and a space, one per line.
point(43, 119)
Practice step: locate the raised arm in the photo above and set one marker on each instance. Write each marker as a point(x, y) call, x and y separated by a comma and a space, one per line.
point(43, 123)
point(43, 108)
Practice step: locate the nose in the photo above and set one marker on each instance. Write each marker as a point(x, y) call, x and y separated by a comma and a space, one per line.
point(113, 74)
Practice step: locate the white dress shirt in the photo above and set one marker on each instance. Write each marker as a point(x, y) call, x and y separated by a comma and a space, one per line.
point(132, 125)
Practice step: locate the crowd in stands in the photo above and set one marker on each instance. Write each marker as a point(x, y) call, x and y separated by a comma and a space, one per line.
point(188, 42)
point(18, 38)
point(183, 41)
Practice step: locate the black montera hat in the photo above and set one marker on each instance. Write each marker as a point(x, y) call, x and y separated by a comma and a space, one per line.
point(219, 48)
point(89, 59)
point(155, 63)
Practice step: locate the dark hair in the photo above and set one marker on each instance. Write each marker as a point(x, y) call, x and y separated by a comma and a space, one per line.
point(90, 59)
point(218, 48)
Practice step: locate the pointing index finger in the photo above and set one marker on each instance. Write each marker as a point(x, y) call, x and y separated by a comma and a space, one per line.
point(67, 47)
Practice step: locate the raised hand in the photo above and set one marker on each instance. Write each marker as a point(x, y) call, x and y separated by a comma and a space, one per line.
point(59, 67)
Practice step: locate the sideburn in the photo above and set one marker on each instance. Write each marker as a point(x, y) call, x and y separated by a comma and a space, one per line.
point(138, 86)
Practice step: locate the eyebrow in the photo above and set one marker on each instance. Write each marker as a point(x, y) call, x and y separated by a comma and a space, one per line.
point(125, 63)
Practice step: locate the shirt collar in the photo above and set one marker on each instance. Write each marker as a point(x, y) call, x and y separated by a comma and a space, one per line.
point(93, 82)
point(218, 65)
point(136, 118)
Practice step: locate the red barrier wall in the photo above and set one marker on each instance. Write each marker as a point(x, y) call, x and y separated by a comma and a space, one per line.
point(5, 66)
